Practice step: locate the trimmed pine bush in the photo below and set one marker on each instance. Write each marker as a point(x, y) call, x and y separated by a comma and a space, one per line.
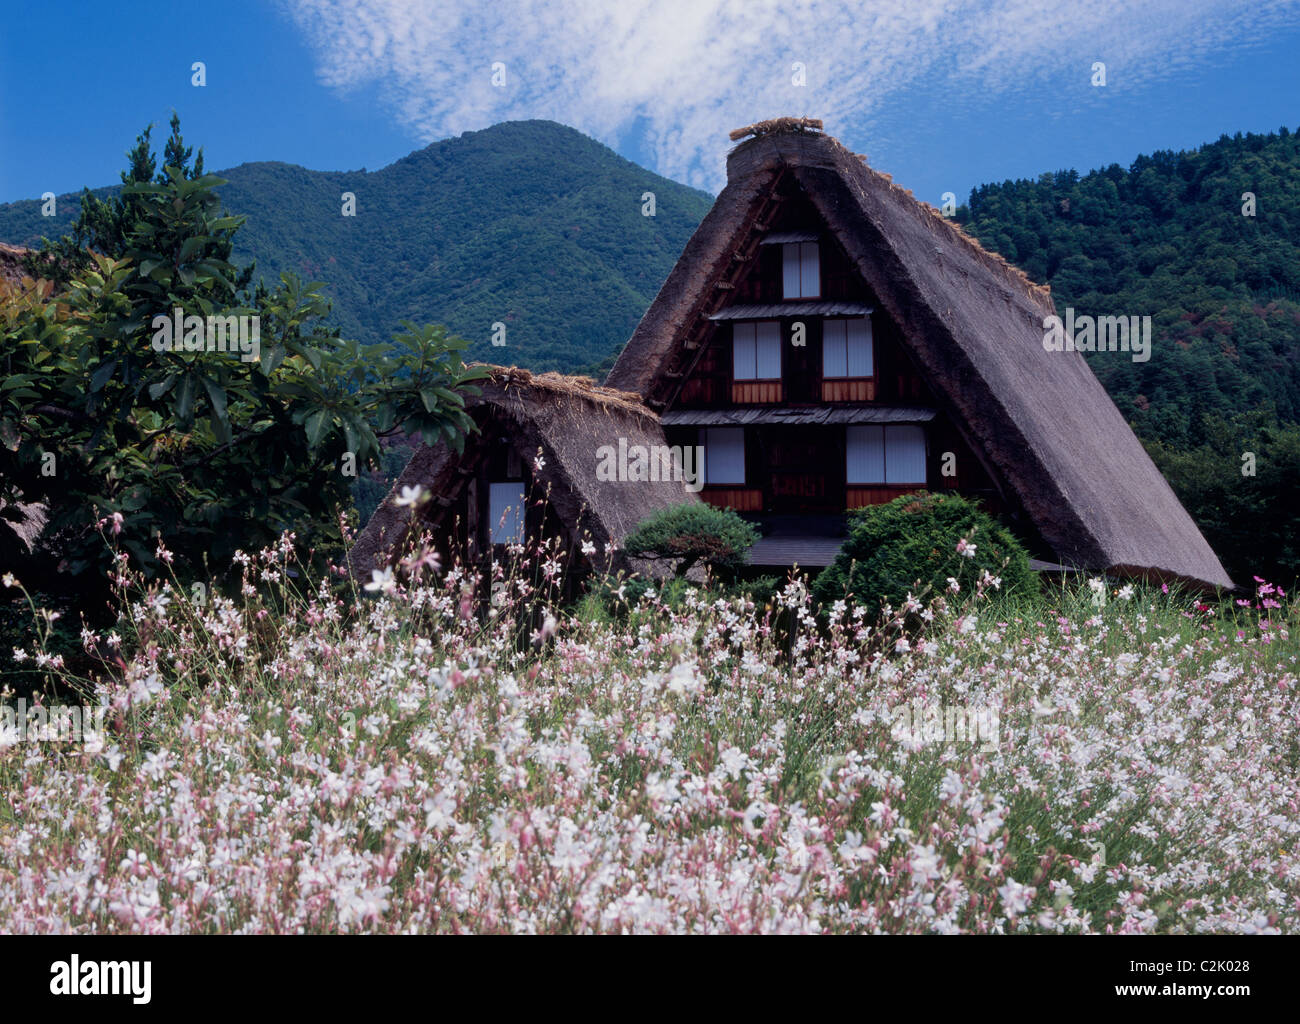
point(691, 534)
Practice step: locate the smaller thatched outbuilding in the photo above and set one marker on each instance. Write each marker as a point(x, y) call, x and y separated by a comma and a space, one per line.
point(549, 460)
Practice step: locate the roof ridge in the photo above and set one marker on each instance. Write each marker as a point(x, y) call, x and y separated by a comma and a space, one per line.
point(569, 385)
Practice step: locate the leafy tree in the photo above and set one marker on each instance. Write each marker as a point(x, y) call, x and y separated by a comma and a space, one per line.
point(198, 451)
point(911, 543)
point(693, 534)
point(105, 225)
point(1244, 482)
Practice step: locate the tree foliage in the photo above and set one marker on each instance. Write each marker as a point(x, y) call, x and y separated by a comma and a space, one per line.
point(1243, 479)
point(1167, 238)
point(104, 224)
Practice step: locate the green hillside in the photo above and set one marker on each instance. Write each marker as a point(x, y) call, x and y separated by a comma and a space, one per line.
point(528, 223)
point(1167, 238)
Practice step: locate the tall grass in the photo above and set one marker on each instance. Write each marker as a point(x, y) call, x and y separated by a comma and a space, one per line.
point(448, 752)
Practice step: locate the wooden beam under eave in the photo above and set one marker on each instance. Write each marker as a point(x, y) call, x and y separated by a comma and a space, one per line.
point(755, 223)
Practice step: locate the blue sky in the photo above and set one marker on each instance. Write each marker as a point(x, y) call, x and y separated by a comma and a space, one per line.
point(943, 94)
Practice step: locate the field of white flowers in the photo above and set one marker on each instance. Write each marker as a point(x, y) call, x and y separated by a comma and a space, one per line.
point(398, 762)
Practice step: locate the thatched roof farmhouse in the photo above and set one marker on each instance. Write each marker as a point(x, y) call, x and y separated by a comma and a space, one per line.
point(833, 342)
point(540, 444)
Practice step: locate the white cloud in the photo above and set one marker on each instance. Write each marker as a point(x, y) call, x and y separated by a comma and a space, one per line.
point(684, 72)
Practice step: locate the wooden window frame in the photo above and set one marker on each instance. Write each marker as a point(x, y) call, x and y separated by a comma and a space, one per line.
point(520, 511)
point(846, 376)
point(884, 458)
point(785, 246)
point(703, 441)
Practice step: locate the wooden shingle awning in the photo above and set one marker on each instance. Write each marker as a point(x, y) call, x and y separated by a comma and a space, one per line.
point(781, 237)
point(808, 552)
point(809, 416)
point(777, 310)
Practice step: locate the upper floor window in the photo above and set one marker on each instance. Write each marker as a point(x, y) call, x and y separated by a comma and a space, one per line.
point(847, 348)
point(756, 350)
point(801, 270)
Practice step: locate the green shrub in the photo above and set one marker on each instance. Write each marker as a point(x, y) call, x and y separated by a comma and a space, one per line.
point(694, 534)
point(762, 590)
point(914, 538)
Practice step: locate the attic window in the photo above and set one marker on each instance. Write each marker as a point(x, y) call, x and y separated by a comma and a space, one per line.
point(847, 349)
point(756, 350)
point(801, 270)
point(885, 455)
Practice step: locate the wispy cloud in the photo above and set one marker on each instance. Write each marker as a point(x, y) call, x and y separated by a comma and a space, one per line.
point(683, 72)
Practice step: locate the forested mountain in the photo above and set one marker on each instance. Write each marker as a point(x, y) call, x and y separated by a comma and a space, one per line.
point(528, 223)
point(1167, 238)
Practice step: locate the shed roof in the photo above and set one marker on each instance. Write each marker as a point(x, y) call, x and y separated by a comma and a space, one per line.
point(565, 421)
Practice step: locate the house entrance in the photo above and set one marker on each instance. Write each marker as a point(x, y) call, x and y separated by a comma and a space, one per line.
point(804, 471)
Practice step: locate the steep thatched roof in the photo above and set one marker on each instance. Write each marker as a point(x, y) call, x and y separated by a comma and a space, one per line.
point(568, 419)
point(974, 325)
